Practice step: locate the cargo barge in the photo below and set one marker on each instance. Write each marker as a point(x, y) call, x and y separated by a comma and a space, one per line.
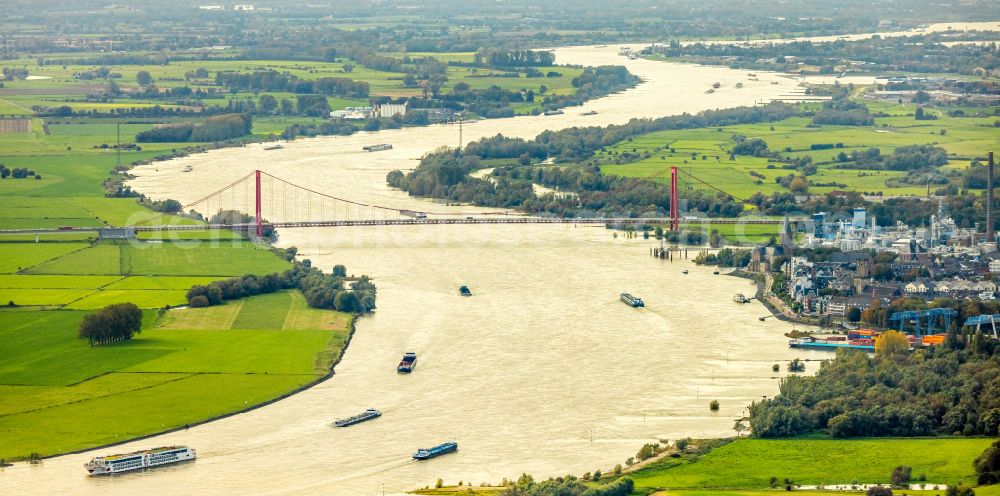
point(633, 301)
point(407, 364)
point(137, 460)
point(377, 148)
point(441, 449)
point(367, 415)
point(828, 344)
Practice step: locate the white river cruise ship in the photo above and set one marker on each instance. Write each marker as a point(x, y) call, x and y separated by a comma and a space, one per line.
point(114, 464)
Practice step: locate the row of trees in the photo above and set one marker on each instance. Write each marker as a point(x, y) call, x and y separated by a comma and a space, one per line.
point(843, 112)
point(16, 172)
point(953, 389)
point(215, 128)
point(111, 324)
point(726, 257)
point(578, 143)
point(445, 174)
point(276, 81)
point(320, 290)
point(922, 53)
point(567, 486)
point(498, 57)
point(904, 158)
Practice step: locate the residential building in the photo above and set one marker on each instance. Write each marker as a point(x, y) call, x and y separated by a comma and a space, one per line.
point(389, 110)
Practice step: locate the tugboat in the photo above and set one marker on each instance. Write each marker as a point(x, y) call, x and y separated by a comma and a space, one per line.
point(685, 271)
point(633, 301)
point(441, 449)
point(464, 291)
point(407, 363)
point(715, 272)
point(716, 85)
point(368, 414)
point(740, 298)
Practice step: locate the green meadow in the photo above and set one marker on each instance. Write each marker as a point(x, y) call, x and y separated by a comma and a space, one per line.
point(704, 152)
point(63, 89)
point(745, 466)
point(750, 463)
point(19, 256)
point(58, 394)
point(198, 258)
point(151, 274)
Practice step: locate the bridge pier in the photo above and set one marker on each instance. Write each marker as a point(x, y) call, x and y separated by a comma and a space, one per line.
point(260, 226)
point(674, 204)
point(668, 253)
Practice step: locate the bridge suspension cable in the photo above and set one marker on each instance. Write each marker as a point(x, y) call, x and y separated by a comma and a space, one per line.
point(291, 204)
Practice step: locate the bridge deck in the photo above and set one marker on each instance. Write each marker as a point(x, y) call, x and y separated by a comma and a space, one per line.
point(408, 222)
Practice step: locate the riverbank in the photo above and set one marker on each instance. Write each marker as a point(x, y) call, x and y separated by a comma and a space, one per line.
point(762, 466)
point(462, 342)
point(777, 308)
point(331, 371)
point(192, 367)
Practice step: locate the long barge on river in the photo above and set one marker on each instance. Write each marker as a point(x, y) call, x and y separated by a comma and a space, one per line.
point(367, 415)
point(138, 460)
point(441, 449)
point(833, 343)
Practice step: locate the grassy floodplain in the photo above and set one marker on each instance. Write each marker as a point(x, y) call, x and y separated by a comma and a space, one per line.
point(749, 463)
point(964, 138)
point(58, 394)
point(744, 467)
point(63, 89)
point(187, 365)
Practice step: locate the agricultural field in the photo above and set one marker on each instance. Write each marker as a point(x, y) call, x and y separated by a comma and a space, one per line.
point(185, 366)
point(738, 233)
point(750, 463)
point(198, 258)
point(745, 467)
point(150, 274)
point(704, 153)
point(20, 256)
point(100, 259)
point(141, 298)
point(61, 88)
point(206, 235)
point(55, 388)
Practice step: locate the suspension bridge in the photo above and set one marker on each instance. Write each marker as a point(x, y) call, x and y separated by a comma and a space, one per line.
point(260, 202)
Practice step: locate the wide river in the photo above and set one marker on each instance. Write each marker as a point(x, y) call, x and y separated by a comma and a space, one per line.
point(542, 371)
